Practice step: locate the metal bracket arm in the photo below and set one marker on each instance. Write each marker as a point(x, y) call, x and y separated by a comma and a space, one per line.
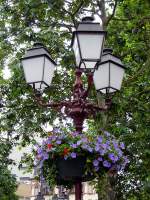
point(78, 108)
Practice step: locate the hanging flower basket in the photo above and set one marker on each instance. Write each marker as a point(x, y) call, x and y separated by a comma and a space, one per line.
point(67, 158)
point(71, 169)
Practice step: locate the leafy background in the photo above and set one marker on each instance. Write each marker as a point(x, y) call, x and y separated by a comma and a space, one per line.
point(51, 22)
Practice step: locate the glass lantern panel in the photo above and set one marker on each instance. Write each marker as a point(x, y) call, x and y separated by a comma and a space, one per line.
point(111, 90)
point(101, 76)
point(116, 76)
point(90, 45)
point(107, 90)
point(88, 65)
point(76, 51)
point(33, 69)
point(82, 66)
point(89, 27)
point(111, 57)
point(48, 71)
point(103, 91)
point(39, 85)
point(115, 59)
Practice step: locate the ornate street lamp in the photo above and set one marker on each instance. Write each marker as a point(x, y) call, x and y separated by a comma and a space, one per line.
point(38, 67)
point(108, 77)
point(87, 43)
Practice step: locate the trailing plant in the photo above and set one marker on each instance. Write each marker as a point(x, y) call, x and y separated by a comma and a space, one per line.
point(102, 152)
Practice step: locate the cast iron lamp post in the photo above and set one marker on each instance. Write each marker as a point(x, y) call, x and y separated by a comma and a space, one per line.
point(100, 66)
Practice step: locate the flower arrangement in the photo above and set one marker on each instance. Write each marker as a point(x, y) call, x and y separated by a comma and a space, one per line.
point(102, 152)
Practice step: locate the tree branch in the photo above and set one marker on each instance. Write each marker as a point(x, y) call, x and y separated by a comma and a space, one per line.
point(101, 6)
point(68, 26)
point(139, 72)
point(78, 8)
point(112, 15)
point(75, 12)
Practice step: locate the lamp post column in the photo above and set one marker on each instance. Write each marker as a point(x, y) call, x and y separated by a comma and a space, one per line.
point(78, 115)
point(78, 191)
point(77, 110)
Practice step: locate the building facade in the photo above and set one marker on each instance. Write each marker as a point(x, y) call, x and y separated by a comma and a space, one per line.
point(28, 189)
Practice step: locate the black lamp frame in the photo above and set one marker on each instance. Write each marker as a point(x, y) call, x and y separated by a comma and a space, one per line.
point(82, 60)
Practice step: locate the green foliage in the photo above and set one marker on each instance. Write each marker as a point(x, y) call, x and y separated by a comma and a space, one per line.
point(8, 184)
point(129, 35)
point(51, 22)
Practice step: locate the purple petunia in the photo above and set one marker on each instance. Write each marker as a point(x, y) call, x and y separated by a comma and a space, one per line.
point(56, 130)
point(45, 156)
point(126, 160)
point(107, 133)
point(39, 150)
point(99, 139)
point(84, 140)
point(58, 142)
point(79, 142)
point(43, 142)
point(89, 149)
point(122, 145)
point(48, 140)
point(105, 146)
point(75, 133)
point(95, 163)
point(108, 142)
point(102, 152)
point(97, 148)
point(53, 138)
point(115, 144)
point(100, 159)
point(73, 155)
point(116, 158)
point(119, 152)
point(65, 157)
point(113, 157)
point(106, 164)
point(73, 146)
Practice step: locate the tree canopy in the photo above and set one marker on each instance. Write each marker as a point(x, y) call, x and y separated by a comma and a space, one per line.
point(51, 22)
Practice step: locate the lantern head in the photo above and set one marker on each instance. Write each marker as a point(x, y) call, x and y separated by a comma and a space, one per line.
point(87, 43)
point(38, 67)
point(109, 74)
